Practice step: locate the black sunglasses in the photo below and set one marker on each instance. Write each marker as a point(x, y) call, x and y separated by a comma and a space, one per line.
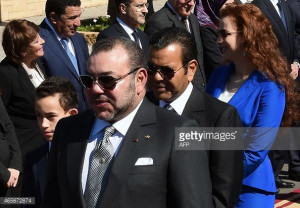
point(164, 71)
point(105, 82)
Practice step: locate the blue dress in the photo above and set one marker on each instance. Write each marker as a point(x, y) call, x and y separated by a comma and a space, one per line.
point(260, 103)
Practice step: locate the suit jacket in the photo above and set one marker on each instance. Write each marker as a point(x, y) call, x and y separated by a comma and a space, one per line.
point(176, 178)
point(260, 103)
point(10, 156)
point(34, 177)
point(286, 40)
point(226, 167)
point(57, 62)
point(19, 99)
point(165, 17)
point(116, 30)
point(294, 6)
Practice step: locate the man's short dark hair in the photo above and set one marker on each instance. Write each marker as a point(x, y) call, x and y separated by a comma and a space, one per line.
point(118, 2)
point(135, 53)
point(59, 6)
point(174, 35)
point(68, 97)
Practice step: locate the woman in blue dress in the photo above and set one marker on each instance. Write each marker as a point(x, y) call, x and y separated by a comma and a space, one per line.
point(256, 81)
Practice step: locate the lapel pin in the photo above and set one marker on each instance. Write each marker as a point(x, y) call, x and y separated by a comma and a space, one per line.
point(135, 140)
point(147, 136)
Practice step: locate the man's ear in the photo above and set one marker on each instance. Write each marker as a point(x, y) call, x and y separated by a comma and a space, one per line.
point(72, 111)
point(141, 80)
point(192, 67)
point(53, 18)
point(122, 8)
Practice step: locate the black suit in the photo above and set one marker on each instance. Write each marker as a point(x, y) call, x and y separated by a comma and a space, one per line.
point(176, 178)
point(226, 167)
point(10, 156)
point(116, 30)
point(35, 174)
point(18, 98)
point(165, 17)
point(285, 38)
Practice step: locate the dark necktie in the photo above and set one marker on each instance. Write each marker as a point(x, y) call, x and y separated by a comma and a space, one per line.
point(73, 59)
point(169, 108)
point(101, 162)
point(186, 24)
point(282, 16)
point(136, 37)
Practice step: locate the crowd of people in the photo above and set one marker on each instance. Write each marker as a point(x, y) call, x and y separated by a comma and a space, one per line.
point(101, 129)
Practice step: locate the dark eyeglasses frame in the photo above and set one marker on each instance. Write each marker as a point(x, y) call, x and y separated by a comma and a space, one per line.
point(158, 69)
point(113, 80)
point(224, 33)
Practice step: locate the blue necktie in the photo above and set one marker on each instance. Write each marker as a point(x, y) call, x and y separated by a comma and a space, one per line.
point(136, 38)
point(73, 59)
point(279, 4)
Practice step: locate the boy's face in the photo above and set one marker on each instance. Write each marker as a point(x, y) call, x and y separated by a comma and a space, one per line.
point(49, 112)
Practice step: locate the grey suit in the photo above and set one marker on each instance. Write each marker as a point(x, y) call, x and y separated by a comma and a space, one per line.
point(177, 179)
point(165, 17)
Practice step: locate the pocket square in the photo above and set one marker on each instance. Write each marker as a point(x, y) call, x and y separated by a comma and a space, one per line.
point(144, 161)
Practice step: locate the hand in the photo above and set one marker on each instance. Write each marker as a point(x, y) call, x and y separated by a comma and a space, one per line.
point(14, 177)
point(294, 72)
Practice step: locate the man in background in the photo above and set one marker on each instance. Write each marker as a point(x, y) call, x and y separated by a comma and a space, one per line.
point(65, 50)
point(172, 65)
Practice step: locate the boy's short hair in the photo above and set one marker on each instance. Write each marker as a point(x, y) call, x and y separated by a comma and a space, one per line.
point(58, 85)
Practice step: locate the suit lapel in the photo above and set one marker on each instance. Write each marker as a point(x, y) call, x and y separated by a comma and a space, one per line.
point(121, 30)
point(76, 153)
point(141, 131)
point(53, 44)
point(194, 104)
point(173, 17)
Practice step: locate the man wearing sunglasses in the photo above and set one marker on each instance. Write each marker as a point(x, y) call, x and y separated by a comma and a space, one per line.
point(177, 13)
point(172, 64)
point(131, 140)
point(130, 14)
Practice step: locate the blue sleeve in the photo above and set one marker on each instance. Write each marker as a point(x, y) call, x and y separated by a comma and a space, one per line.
point(267, 120)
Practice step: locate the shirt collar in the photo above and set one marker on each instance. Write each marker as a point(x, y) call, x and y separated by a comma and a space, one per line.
point(179, 103)
point(121, 126)
point(125, 27)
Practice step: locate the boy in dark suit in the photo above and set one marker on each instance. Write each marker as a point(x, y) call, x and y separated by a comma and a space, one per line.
point(56, 98)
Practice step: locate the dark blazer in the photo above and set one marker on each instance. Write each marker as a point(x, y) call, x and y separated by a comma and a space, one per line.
point(34, 178)
point(165, 17)
point(10, 156)
point(19, 99)
point(294, 6)
point(116, 30)
point(57, 62)
point(226, 167)
point(177, 179)
point(286, 41)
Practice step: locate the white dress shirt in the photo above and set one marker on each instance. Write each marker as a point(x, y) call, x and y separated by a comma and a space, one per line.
point(179, 104)
point(121, 127)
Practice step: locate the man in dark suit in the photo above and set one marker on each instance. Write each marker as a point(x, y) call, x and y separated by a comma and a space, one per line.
point(65, 50)
point(56, 98)
point(130, 14)
point(136, 163)
point(172, 64)
point(177, 13)
point(282, 22)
